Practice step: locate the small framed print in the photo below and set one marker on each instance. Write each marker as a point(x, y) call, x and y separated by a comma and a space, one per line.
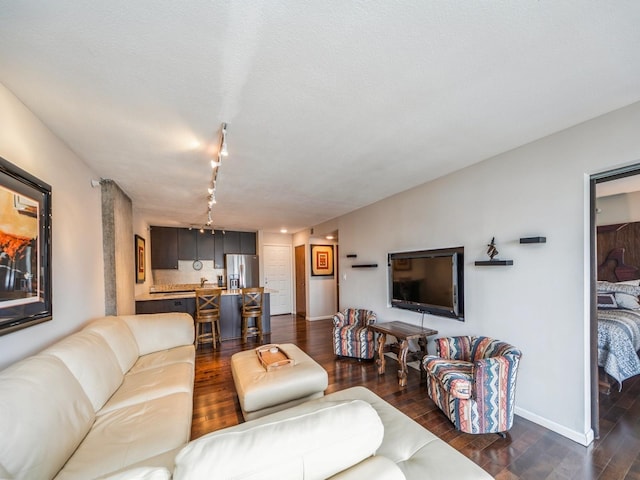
point(140, 255)
point(321, 260)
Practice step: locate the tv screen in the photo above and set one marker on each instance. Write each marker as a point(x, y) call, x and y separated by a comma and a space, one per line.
point(428, 281)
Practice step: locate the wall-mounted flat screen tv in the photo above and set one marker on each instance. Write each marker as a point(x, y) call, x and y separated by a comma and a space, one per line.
point(428, 281)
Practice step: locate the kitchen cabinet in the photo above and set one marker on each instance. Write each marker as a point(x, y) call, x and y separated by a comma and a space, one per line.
point(193, 245)
point(168, 245)
point(232, 242)
point(218, 258)
point(187, 244)
point(206, 245)
point(164, 248)
point(248, 243)
point(187, 305)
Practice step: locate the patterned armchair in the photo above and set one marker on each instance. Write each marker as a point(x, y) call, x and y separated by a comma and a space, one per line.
point(351, 334)
point(473, 381)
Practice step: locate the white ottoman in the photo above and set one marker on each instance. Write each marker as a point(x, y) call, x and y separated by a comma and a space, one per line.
point(262, 392)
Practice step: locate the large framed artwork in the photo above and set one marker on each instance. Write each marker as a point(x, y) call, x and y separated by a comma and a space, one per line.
point(25, 249)
point(139, 253)
point(321, 260)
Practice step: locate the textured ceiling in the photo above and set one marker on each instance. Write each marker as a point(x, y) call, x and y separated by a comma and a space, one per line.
point(330, 105)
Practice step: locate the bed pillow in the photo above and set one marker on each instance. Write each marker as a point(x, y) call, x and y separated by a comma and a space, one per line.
point(630, 287)
point(630, 302)
point(607, 300)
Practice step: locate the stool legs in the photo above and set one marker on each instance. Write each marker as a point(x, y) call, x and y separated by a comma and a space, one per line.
point(206, 337)
point(255, 330)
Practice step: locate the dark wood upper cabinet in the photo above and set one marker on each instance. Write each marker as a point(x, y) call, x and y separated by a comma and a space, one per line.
point(206, 245)
point(187, 246)
point(231, 242)
point(248, 243)
point(218, 258)
point(164, 248)
point(168, 245)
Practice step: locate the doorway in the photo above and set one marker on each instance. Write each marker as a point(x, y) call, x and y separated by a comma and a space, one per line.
point(628, 176)
point(301, 294)
point(277, 276)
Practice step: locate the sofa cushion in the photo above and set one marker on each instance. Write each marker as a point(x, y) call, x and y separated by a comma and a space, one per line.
point(125, 437)
point(92, 362)
point(149, 384)
point(372, 467)
point(120, 339)
point(184, 354)
point(160, 331)
point(141, 473)
point(44, 415)
point(313, 445)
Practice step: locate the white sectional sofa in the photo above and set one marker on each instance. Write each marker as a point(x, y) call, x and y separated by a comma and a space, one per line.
point(116, 394)
point(115, 401)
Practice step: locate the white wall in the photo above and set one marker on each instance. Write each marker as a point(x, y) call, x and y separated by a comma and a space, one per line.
point(540, 304)
point(320, 291)
point(621, 208)
point(77, 263)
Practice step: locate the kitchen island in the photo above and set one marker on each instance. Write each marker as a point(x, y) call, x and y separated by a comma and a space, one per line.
point(175, 300)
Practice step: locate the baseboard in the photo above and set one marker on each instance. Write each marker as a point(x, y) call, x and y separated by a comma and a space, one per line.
point(582, 438)
point(312, 319)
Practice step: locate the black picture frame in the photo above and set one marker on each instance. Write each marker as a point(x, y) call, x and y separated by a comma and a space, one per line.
point(140, 263)
point(25, 249)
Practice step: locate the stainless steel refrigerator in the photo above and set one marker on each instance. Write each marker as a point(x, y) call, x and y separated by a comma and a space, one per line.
point(241, 271)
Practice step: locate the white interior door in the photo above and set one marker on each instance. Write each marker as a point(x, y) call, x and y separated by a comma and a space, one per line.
point(278, 277)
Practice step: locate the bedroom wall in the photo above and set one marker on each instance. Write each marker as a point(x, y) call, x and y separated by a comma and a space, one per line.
point(77, 265)
point(621, 208)
point(540, 304)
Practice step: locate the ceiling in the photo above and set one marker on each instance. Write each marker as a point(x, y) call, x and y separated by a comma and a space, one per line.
point(331, 105)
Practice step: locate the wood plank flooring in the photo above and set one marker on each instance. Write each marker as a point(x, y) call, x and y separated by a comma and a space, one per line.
point(529, 452)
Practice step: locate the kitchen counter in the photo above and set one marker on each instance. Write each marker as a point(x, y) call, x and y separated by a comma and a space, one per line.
point(174, 300)
point(186, 294)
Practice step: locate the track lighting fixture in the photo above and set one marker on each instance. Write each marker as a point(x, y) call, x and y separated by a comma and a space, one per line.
point(216, 163)
point(223, 147)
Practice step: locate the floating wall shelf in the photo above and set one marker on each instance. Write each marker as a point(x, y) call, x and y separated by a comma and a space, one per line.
point(533, 240)
point(494, 263)
point(351, 255)
point(365, 265)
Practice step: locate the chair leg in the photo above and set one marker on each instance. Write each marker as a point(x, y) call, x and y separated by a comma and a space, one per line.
point(259, 324)
point(244, 329)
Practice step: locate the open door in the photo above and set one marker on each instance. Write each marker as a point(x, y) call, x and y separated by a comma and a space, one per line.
point(301, 281)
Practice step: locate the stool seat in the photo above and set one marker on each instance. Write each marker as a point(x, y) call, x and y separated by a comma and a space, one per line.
point(207, 312)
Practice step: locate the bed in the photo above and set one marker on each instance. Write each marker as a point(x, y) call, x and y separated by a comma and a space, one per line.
point(618, 290)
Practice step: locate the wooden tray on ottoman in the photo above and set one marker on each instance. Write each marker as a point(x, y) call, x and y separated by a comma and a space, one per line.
point(272, 357)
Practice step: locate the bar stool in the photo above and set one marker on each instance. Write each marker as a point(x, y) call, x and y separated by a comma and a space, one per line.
point(208, 311)
point(252, 308)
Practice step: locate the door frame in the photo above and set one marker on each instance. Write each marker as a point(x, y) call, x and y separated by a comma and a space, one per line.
point(594, 179)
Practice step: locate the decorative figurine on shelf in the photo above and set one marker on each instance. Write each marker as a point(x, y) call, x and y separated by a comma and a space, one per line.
point(492, 251)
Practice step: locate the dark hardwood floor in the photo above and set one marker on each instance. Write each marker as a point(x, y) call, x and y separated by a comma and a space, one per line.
point(529, 452)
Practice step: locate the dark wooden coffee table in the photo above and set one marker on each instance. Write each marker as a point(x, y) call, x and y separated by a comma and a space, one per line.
point(403, 333)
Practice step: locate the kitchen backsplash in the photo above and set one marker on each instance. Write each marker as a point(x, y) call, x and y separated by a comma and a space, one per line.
point(186, 274)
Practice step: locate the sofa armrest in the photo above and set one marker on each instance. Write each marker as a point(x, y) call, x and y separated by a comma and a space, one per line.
point(154, 332)
point(338, 320)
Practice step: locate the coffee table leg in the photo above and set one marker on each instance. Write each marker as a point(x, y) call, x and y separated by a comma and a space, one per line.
point(402, 359)
point(382, 339)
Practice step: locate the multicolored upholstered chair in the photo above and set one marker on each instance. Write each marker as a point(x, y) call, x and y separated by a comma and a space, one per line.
point(473, 381)
point(351, 334)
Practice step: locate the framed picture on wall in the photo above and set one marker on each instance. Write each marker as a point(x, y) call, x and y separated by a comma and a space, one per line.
point(25, 249)
point(321, 260)
point(140, 256)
